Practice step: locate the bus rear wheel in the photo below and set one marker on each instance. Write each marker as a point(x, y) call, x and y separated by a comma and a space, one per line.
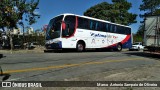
point(119, 47)
point(80, 47)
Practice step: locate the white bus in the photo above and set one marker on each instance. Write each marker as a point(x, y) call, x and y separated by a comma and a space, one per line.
point(70, 31)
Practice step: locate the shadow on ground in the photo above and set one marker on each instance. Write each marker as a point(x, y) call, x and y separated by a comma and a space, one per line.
point(4, 76)
point(74, 51)
point(1, 56)
point(142, 54)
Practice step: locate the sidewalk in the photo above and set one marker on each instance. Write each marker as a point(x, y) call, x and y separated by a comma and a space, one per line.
point(35, 50)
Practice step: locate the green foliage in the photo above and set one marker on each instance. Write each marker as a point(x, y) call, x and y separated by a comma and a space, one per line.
point(140, 30)
point(157, 12)
point(18, 40)
point(12, 11)
point(116, 12)
point(150, 6)
point(138, 37)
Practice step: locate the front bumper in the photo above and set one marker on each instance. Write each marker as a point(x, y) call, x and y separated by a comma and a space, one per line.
point(54, 46)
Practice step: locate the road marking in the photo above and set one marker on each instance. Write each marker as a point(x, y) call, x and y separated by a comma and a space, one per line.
point(69, 65)
point(14, 79)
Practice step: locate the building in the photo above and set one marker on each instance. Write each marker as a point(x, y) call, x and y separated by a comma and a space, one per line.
point(30, 30)
point(16, 31)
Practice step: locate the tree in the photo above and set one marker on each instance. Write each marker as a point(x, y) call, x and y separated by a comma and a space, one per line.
point(116, 12)
point(13, 12)
point(138, 37)
point(150, 6)
point(140, 30)
point(157, 12)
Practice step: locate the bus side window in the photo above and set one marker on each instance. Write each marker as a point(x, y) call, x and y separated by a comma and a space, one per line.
point(111, 28)
point(107, 27)
point(91, 25)
point(80, 23)
point(96, 26)
point(101, 26)
point(115, 29)
point(123, 30)
point(128, 31)
point(119, 30)
point(86, 23)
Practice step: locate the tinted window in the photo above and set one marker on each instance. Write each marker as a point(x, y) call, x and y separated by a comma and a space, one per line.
point(102, 26)
point(115, 29)
point(122, 30)
point(93, 25)
point(118, 29)
point(128, 30)
point(111, 27)
point(80, 23)
point(107, 27)
point(70, 24)
point(83, 23)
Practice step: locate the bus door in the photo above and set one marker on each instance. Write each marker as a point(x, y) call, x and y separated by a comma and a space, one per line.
point(68, 30)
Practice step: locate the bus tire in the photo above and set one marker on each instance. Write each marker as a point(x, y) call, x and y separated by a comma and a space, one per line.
point(80, 46)
point(119, 47)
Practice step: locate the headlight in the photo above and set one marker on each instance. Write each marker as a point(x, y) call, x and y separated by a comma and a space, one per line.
point(56, 41)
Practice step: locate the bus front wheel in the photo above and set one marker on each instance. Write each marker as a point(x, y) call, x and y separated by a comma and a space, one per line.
point(80, 47)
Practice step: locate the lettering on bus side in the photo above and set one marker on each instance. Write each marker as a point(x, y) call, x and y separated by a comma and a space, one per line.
point(104, 36)
point(98, 35)
point(109, 36)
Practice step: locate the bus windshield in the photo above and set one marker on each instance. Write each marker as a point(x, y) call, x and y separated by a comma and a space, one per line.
point(54, 28)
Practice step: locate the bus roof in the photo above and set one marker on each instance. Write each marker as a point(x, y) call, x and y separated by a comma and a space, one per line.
point(93, 19)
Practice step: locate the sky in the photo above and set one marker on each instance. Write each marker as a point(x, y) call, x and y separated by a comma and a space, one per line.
point(51, 8)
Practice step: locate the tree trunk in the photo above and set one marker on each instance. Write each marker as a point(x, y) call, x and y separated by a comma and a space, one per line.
point(11, 40)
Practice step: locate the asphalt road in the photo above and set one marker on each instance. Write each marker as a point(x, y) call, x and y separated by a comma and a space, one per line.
point(57, 66)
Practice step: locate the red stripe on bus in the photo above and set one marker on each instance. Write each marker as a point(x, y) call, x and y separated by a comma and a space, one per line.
point(126, 39)
point(123, 41)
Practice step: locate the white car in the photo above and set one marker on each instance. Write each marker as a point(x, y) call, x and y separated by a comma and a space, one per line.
point(137, 46)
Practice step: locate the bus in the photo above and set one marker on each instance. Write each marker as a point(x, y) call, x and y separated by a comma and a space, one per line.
point(70, 31)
